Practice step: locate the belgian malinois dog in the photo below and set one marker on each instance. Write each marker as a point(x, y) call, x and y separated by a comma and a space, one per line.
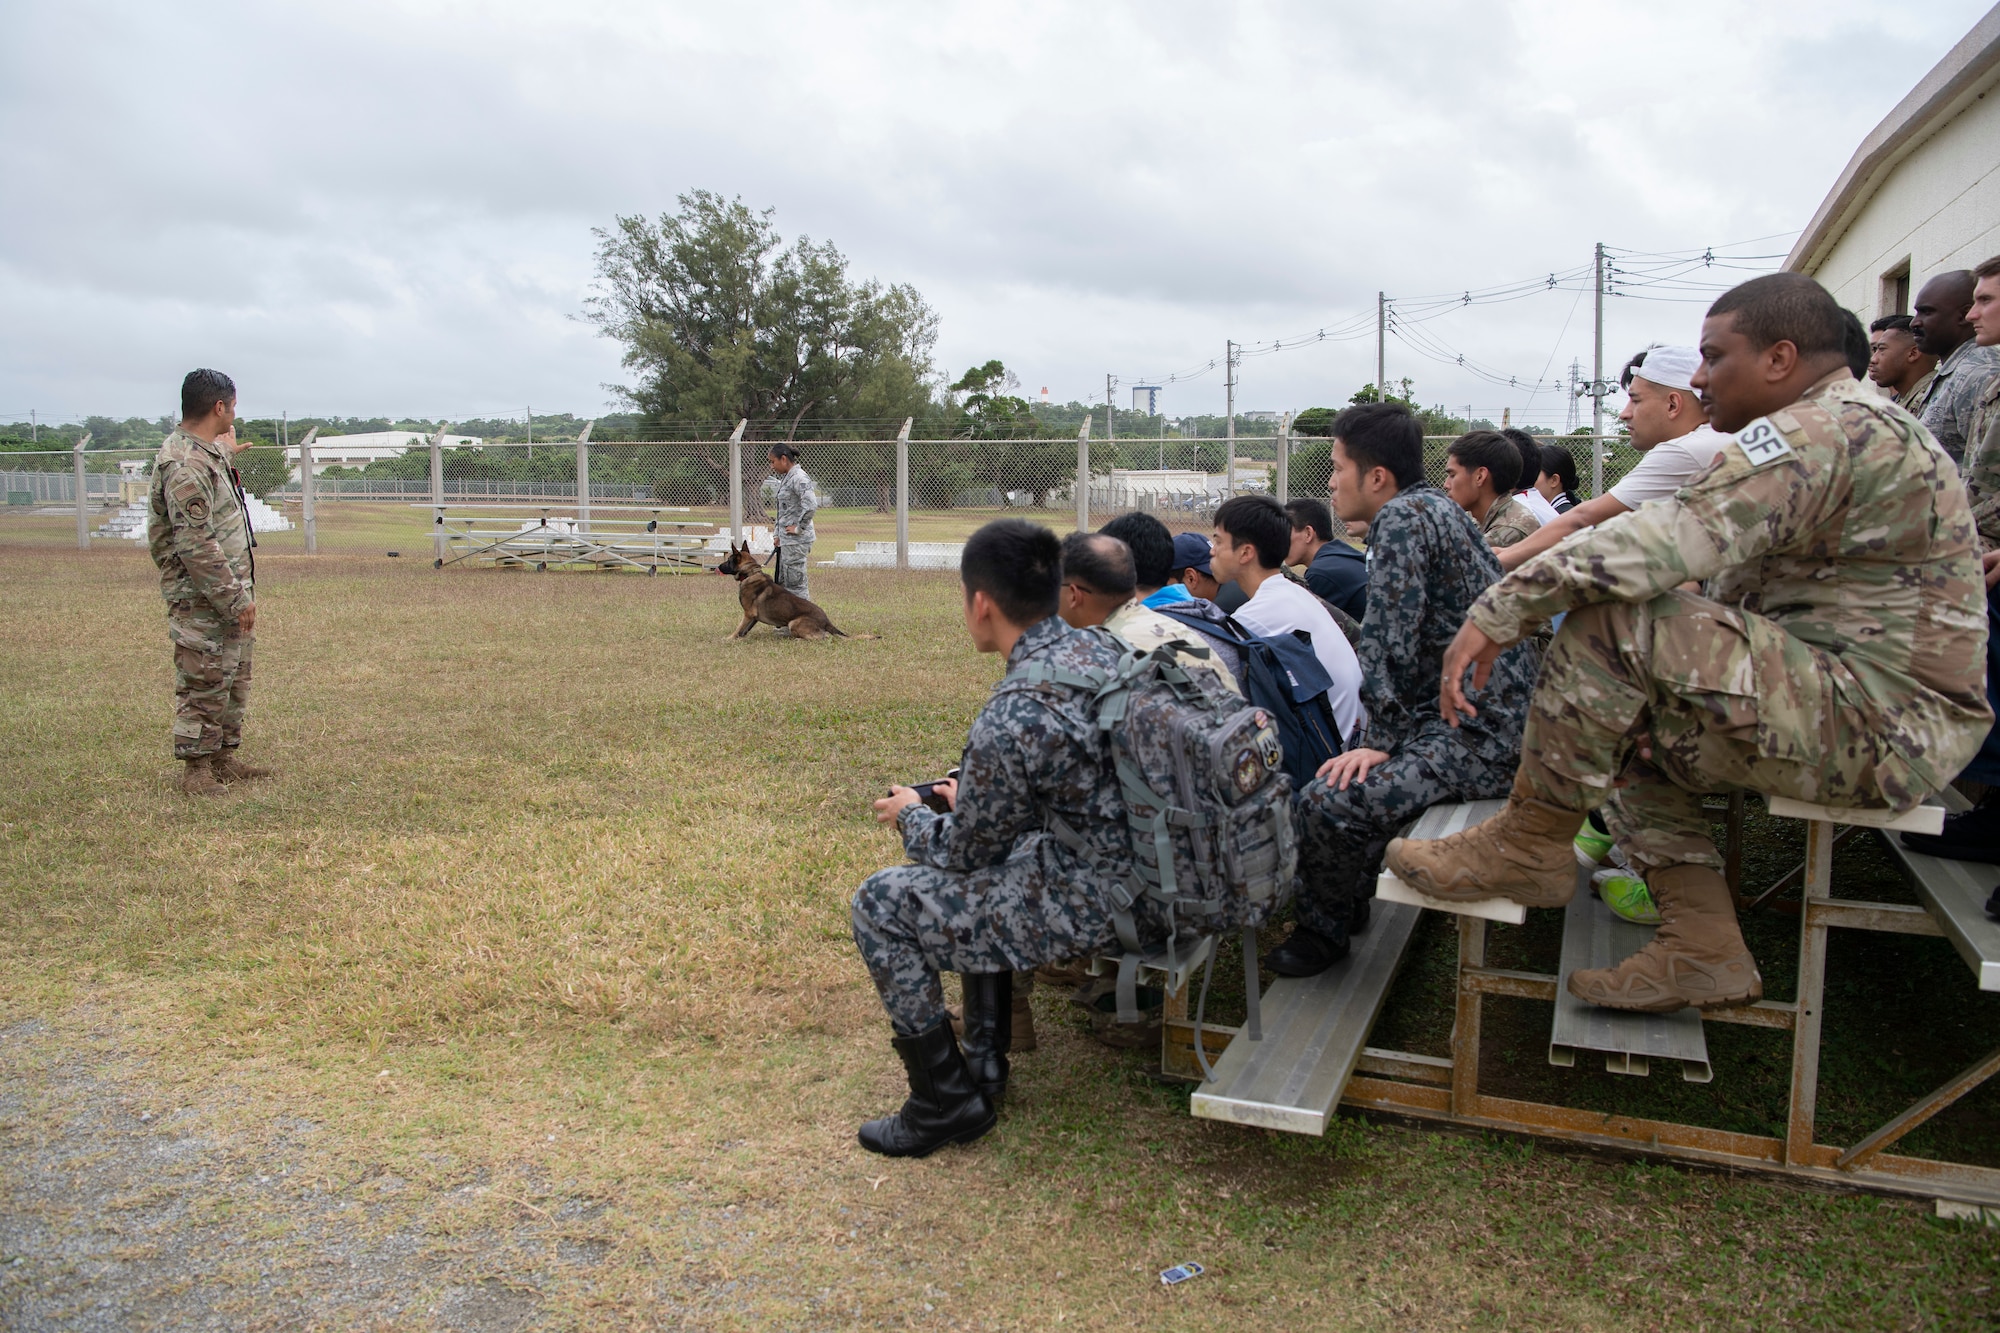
point(764, 600)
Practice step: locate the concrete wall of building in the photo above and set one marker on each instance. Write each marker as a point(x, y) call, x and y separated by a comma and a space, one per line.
point(1938, 209)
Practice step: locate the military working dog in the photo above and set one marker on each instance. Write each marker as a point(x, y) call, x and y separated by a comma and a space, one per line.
point(764, 600)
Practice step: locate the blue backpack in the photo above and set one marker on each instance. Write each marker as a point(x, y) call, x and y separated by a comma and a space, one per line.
point(1284, 677)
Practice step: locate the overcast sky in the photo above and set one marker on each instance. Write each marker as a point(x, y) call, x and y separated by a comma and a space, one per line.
point(376, 208)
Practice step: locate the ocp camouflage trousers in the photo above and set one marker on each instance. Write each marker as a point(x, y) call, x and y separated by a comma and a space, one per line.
point(792, 562)
point(211, 679)
point(1729, 700)
point(1342, 834)
point(912, 922)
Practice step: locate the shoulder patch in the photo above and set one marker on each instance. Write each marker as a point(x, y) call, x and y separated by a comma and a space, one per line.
point(1762, 443)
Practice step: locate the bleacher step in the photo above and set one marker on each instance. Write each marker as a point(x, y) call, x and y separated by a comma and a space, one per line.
point(1314, 1032)
point(1955, 894)
point(1595, 936)
point(1441, 821)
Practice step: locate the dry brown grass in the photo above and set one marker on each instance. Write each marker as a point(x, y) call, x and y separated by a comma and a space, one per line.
point(549, 905)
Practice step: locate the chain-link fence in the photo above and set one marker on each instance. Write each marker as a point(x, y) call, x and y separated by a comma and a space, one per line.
point(1182, 481)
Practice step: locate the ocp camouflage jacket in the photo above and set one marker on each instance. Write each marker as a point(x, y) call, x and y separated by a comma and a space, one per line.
point(198, 528)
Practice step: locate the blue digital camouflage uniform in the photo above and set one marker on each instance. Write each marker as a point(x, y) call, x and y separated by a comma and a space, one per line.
point(1427, 565)
point(796, 503)
point(988, 887)
point(198, 532)
point(1839, 659)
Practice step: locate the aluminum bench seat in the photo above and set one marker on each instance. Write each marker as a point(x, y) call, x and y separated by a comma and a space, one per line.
point(1594, 936)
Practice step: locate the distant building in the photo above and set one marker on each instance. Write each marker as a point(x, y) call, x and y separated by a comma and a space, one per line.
point(1146, 398)
point(1260, 416)
point(1922, 193)
point(373, 447)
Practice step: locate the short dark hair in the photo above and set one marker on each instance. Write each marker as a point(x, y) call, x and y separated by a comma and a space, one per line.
point(1383, 435)
point(1494, 452)
point(1531, 456)
point(1786, 307)
point(1016, 563)
point(1260, 521)
point(1306, 512)
point(1561, 464)
point(1152, 547)
point(202, 390)
point(1632, 368)
point(1857, 348)
point(1893, 323)
point(1987, 268)
point(1100, 563)
point(783, 449)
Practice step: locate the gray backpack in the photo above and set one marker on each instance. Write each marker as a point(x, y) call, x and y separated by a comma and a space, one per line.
point(1207, 801)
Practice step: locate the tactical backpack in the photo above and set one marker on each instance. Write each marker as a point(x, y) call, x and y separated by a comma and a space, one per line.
point(1208, 805)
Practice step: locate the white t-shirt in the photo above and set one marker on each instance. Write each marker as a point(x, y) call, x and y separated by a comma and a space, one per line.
point(1537, 504)
point(1281, 606)
point(1670, 465)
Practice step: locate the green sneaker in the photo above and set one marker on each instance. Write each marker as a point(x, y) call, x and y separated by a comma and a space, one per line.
point(1627, 896)
point(1591, 846)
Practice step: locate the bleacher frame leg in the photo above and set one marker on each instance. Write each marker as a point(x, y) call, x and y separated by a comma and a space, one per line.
point(1811, 994)
point(1466, 1020)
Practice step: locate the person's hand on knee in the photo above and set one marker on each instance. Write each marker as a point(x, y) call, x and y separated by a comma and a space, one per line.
point(1353, 766)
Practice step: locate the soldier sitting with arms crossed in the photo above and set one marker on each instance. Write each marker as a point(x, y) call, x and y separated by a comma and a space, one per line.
point(198, 530)
point(994, 888)
point(1426, 565)
point(1839, 662)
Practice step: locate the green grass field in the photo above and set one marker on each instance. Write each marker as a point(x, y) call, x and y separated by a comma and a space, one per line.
point(549, 905)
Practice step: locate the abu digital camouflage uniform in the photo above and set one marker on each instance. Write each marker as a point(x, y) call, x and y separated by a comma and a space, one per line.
point(795, 503)
point(1840, 660)
point(199, 533)
point(1427, 565)
point(1507, 522)
point(1955, 387)
point(989, 888)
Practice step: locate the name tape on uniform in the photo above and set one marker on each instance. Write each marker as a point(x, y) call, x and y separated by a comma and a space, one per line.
point(1762, 443)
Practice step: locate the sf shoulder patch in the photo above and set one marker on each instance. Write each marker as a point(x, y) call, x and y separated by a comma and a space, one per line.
point(1762, 443)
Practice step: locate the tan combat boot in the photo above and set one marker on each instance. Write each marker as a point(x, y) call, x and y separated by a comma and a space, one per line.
point(199, 778)
point(1522, 853)
point(229, 768)
point(1696, 957)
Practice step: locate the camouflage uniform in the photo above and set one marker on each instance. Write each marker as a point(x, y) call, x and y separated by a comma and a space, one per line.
point(1954, 391)
point(1840, 661)
point(1426, 567)
point(1982, 463)
point(796, 503)
point(199, 534)
point(1920, 392)
point(990, 888)
point(1507, 522)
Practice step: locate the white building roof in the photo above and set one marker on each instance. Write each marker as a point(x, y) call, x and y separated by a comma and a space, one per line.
point(372, 446)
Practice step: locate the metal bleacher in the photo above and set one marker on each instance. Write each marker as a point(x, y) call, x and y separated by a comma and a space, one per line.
point(1311, 1054)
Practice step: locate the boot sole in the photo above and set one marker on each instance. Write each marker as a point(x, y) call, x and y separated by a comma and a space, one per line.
point(1675, 1005)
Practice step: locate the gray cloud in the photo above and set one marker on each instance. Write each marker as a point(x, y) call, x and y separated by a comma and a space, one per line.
point(366, 207)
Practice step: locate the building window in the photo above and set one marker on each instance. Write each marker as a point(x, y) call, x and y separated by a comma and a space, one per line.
point(1896, 289)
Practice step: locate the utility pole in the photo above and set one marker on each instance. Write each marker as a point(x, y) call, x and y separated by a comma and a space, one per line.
point(1111, 408)
point(531, 432)
point(1381, 338)
point(1229, 428)
point(1597, 388)
point(34, 427)
point(1284, 487)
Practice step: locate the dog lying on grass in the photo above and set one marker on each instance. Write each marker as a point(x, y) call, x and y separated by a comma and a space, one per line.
point(764, 600)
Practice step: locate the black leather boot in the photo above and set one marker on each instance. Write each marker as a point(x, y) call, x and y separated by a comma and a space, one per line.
point(989, 1030)
point(945, 1106)
point(1307, 953)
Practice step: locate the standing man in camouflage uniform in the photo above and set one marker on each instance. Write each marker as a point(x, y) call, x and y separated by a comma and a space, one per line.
point(199, 533)
point(1840, 662)
point(1943, 328)
point(796, 503)
point(1031, 865)
point(1427, 564)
